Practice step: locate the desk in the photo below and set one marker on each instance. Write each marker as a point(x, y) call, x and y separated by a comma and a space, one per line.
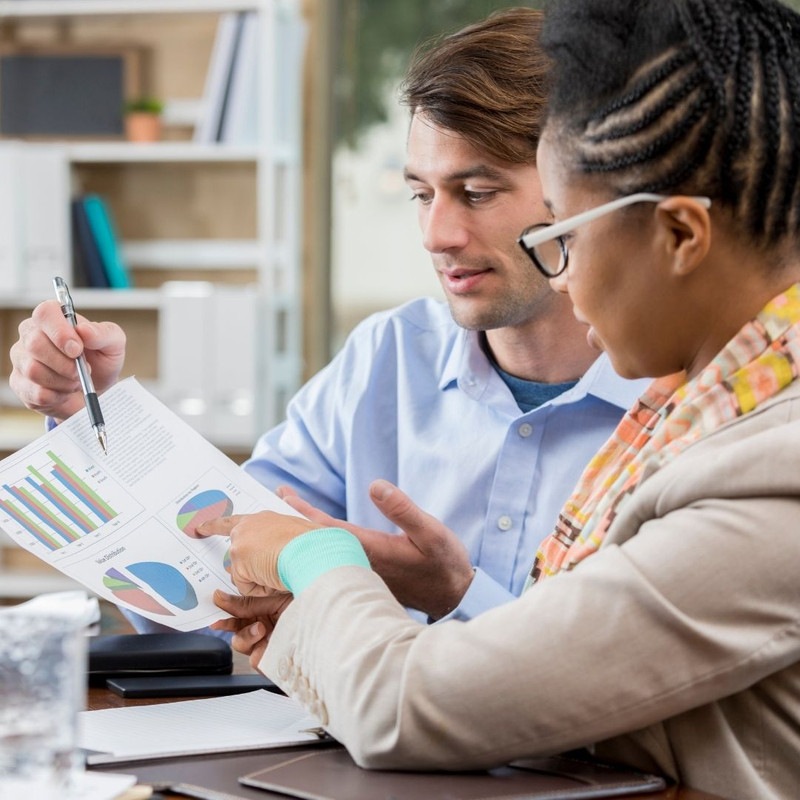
point(220, 772)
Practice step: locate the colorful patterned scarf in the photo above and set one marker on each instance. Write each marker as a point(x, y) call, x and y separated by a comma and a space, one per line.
point(760, 361)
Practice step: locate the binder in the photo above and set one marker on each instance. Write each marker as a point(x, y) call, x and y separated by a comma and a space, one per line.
point(90, 255)
point(218, 78)
point(207, 358)
point(42, 191)
point(102, 227)
point(184, 329)
point(239, 123)
point(10, 220)
point(231, 361)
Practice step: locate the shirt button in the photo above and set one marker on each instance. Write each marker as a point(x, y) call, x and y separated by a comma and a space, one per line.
point(525, 430)
point(504, 523)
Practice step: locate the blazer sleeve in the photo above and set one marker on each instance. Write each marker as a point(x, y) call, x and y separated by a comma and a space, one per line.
point(700, 604)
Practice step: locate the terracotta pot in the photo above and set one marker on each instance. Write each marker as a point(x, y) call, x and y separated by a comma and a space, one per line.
point(141, 126)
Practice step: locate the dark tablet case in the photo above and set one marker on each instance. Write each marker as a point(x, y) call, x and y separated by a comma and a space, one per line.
point(158, 654)
point(330, 774)
point(188, 685)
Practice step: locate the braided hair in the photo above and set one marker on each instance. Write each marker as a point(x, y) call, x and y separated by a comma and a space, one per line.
point(689, 96)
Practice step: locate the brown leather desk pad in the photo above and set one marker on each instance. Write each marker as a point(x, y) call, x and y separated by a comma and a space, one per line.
point(332, 775)
point(328, 773)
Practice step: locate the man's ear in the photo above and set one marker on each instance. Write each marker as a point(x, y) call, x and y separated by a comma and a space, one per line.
point(686, 225)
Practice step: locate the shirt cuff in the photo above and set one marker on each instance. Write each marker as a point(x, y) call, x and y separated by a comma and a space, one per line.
point(316, 552)
point(483, 593)
point(143, 625)
point(50, 424)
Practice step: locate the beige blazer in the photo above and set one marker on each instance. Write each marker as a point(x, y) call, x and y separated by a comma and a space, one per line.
point(674, 648)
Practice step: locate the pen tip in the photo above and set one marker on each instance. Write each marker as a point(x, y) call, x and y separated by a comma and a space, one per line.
point(101, 437)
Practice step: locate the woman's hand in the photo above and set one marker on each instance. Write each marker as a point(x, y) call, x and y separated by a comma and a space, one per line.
point(252, 621)
point(256, 543)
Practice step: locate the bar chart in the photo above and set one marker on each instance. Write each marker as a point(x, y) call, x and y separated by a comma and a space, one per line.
point(54, 504)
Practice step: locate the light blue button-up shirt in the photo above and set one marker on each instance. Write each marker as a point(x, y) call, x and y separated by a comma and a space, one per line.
point(413, 398)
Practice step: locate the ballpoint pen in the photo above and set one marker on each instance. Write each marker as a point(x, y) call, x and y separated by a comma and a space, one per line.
point(89, 394)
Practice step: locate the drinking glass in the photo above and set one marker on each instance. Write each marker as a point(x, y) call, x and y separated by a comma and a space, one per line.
point(42, 688)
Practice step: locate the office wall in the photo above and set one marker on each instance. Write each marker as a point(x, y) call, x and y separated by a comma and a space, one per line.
point(377, 260)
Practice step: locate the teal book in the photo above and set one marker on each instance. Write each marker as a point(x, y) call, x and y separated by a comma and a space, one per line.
point(104, 231)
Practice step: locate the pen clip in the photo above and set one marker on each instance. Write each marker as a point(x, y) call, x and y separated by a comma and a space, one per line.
point(64, 297)
point(319, 732)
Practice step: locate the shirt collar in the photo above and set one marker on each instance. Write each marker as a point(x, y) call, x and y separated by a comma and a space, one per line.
point(602, 382)
point(469, 367)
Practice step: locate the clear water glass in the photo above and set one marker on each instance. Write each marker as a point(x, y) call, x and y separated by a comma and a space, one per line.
point(42, 688)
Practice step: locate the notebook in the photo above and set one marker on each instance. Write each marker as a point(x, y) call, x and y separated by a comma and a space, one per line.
point(254, 721)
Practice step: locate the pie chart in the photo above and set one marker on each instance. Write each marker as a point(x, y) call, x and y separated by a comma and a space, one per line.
point(211, 504)
point(167, 582)
point(127, 591)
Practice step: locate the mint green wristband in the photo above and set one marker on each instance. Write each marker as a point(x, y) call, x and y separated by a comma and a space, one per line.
point(310, 555)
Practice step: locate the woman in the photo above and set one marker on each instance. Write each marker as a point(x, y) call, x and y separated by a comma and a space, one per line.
point(663, 620)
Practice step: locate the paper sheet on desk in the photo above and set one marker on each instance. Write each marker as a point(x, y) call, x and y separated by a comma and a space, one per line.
point(121, 524)
point(251, 721)
point(82, 786)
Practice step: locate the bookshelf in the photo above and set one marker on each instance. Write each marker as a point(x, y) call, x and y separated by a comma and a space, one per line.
point(62, 8)
point(211, 231)
point(162, 152)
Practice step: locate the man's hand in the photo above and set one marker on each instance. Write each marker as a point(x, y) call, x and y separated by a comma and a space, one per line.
point(426, 566)
point(256, 543)
point(254, 619)
point(44, 374)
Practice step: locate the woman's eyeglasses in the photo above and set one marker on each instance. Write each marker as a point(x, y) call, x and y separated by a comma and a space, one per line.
point(545, 243)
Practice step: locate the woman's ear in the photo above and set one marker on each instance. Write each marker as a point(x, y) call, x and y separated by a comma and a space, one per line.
point(686, 225)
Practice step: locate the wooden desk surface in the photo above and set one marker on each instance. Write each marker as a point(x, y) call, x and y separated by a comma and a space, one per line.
point(224, 769)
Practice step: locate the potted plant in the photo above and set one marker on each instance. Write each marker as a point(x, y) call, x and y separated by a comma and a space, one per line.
point(143, 119)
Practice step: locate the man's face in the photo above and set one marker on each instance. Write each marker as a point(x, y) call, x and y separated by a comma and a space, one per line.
point(471, 210)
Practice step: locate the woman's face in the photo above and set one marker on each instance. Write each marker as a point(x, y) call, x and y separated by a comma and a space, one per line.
point(619, 274)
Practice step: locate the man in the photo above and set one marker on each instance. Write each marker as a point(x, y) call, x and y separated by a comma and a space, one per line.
point(504, 384)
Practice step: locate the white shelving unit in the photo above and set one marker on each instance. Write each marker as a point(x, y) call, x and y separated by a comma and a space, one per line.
point(75, 8)
point(192, 253)
point(274, 254)
point(94, 299)
point(159, 152)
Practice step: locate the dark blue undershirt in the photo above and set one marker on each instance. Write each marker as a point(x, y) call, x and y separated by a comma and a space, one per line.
point(528, 394)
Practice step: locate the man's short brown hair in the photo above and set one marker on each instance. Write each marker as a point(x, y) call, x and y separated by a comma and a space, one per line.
point(486, 83)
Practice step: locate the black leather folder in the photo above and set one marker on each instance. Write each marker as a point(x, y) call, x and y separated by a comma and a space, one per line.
point(157, 654)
